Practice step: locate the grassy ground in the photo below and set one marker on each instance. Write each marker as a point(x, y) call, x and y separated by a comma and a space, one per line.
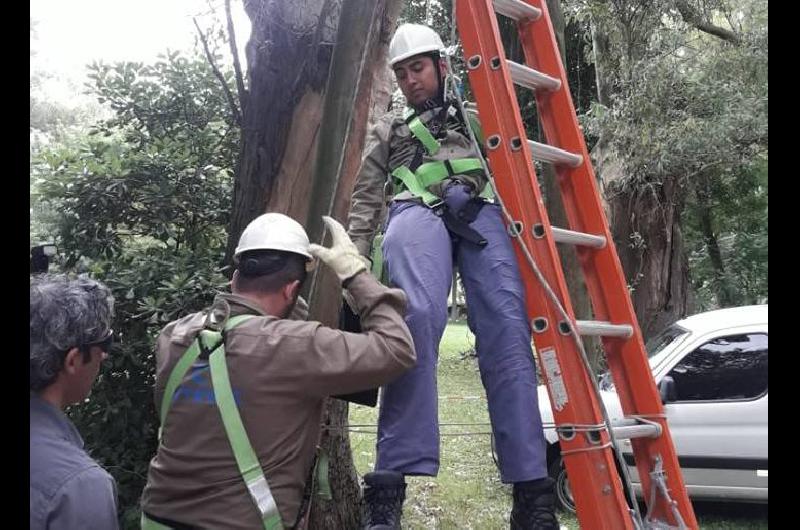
point(468, 493)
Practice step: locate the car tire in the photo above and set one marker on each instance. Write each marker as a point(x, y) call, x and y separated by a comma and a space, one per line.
point(564, 498)
point(563, 492)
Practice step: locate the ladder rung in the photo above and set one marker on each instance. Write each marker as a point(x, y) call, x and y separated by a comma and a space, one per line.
point(630, 428)
point(530, 78)
point(554, 155)
point(603, 329)
point(517, 10)
point(578, 238)
point(543, 152)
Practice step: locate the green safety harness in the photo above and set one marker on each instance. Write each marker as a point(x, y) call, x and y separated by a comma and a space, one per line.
point(418, 180)
point(245, 456)
point(430, 173)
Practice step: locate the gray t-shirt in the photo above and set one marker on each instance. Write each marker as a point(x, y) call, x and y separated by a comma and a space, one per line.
point(69, 490)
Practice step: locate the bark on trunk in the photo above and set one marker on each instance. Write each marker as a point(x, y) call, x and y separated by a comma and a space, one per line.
point(361, 51)
point(647, 232)
point(304, 123)
point(289, 55)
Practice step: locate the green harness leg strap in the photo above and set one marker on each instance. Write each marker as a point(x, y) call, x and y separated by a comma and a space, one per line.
point(410, 182)
point(431, 173)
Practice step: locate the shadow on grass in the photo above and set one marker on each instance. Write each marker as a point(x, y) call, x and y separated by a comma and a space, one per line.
point(719, 515)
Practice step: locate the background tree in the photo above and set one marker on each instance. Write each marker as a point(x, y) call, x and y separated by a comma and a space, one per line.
point(671, 108)
point(141, 202)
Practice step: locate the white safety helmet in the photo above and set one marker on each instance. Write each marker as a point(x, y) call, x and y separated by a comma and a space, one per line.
point(413, 39)
point(273, 231)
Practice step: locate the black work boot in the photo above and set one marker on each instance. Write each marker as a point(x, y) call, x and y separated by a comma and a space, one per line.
point(384, 493)
point(534, 505)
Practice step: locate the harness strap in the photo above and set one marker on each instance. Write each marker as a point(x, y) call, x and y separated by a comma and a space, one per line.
point(421, 132)
point(246, 459)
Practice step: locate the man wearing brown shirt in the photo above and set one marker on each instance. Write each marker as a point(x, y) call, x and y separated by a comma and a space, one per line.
point(280, 371)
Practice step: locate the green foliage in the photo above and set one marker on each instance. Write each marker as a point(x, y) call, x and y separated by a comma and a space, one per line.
point(690, 111)
point(683, 112)
point(140, 202)
point(433, 13)
point(739, 203)
point(54, 120)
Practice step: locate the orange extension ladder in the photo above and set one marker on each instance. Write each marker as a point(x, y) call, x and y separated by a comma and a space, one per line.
point(586, 439)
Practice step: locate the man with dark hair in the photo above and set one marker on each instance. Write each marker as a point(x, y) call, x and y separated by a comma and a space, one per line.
point(70, 335)
point(241, 388)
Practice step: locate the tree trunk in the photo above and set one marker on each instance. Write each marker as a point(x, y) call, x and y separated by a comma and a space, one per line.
point(644, 217)
point(646, 228)
point(304, 122)
point(361, 55)
point(288, 55)
point(722, 286)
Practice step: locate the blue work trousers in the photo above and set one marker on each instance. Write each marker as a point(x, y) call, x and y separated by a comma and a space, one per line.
point(419, 253)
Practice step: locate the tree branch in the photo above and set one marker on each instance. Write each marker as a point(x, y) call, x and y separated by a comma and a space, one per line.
point(231, 101)
point(237, 67)
point(693, 18)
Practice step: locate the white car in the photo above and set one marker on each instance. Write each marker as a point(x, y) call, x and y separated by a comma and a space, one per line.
point(711, 371)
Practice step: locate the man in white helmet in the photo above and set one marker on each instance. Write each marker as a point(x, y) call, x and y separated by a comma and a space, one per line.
point(240, 388)
point(439, 214)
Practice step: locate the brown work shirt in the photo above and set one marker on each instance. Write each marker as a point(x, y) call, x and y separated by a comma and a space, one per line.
point(280, 371)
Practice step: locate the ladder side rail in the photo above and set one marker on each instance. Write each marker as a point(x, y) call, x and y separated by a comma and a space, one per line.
point(627, 358)
point(599, 493)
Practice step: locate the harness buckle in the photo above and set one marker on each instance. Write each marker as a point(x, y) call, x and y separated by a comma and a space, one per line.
point(437, 207)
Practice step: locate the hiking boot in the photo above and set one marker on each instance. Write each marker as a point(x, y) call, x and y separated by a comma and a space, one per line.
point(534, 505)
point(384, 493)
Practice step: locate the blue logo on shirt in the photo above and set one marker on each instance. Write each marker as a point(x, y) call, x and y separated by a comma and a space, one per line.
point(198, 389)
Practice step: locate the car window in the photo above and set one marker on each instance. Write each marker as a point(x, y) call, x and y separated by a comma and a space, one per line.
point(671, 336)
point(726, 368)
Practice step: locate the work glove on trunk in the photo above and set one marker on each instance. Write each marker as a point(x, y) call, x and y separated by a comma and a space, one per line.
point(342, 256)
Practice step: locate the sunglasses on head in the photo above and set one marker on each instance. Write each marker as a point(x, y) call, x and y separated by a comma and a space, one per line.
point(104, 343)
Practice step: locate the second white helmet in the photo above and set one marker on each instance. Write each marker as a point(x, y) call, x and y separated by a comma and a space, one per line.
point(413, 39)
point(274, 231)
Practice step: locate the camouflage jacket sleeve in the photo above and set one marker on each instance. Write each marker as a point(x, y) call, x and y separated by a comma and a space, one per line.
point(368, 194)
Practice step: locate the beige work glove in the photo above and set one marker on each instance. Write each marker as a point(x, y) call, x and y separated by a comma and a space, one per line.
point(342, 256)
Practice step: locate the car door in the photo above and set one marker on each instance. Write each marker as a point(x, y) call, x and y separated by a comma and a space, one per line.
point(718, 417)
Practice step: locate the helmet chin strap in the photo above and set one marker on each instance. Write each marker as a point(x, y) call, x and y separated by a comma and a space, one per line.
point(438, 100)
